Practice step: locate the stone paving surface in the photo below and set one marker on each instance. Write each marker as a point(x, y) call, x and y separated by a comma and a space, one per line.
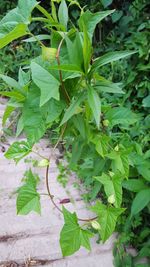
point(33, 240)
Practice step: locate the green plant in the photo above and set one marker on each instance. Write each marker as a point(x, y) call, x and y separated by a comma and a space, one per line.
point(63, 90)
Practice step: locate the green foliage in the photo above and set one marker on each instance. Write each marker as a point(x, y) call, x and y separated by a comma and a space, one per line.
point(95, 107)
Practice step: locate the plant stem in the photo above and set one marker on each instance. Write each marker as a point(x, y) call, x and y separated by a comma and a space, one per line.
point(47, 179)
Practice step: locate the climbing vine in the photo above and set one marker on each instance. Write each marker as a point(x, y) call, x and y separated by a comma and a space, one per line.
point(62, 90)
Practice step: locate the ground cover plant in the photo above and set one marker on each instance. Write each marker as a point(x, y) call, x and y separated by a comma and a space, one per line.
point(65, 89)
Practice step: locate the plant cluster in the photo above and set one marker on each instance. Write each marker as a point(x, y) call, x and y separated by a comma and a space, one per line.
point(67, 90)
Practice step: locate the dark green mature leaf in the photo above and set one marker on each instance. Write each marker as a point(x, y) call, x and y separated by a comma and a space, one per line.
point(75, 51)
point(95, 104)
point(110, 57)
point(18, 150)
point(28, 200)
point(140, 202)
point(92, 19)
point(73, 108)
point(107, 218)
point(48, 85)
point(121, 115)
point(112, 187)
point(24, 77)
point(25, 8)
point(146, 102)
point(54, 109)
point(134, 185)
point(72, 236)
point(63, 13)
point(108, 87)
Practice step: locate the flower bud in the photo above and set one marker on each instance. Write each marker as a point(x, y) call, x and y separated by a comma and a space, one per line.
point(48, 53)
point(43, 163)
point(95, 225)
point(111, 199)
point(106, 123)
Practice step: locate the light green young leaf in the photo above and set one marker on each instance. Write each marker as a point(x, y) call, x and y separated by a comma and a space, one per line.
point(19, 97)
point(19, 31)
point(140, 201)
point(112, 186)
point(95, 104)
point(110, 57)
point(92, 19)
point(18, 150)
point(48, 85)
point(63, 13)
point(20, 126)
point(7, 113)
point(39, 37)
point(107, 218)
point(28, 200)
point(72, 236)
point(24, 77)
point(72, 108)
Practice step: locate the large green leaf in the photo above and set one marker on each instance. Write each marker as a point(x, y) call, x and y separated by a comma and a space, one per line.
point(18, 150)
point(92, 19)
point(72, 236)
point(110, 57)
point(107, 218)
point(112, 187)
point(95, 104)
point(48, 85)
point(87, 49)
point(140, 202)
point(25, 8)
point(34, 120)
point(121, 115)
point(73, 108)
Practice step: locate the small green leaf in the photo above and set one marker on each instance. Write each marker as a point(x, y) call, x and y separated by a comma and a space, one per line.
point(63, 13)
point(72, 108)
point(18, 150)
point(48, 85)
point(19, 97)
point(28, 200)
point(146, 102)
point(7, 113)
point(140, 201)
point(95, 104)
